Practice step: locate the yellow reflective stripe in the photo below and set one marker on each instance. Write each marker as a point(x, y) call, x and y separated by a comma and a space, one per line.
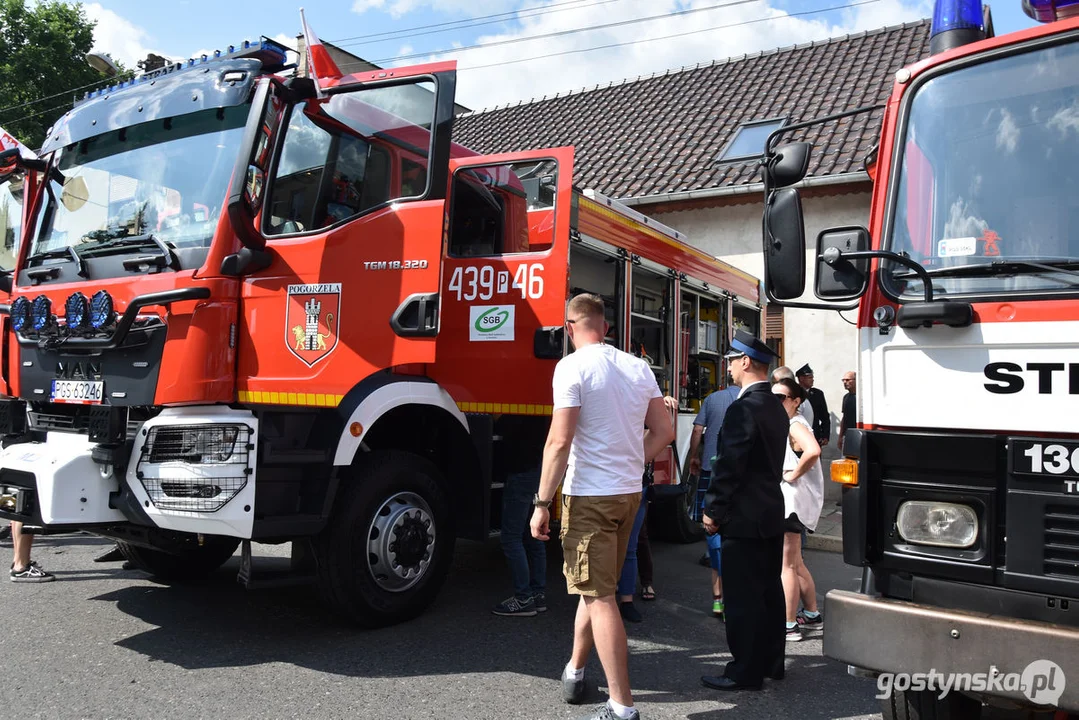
point(505, 408)
point(281, 397)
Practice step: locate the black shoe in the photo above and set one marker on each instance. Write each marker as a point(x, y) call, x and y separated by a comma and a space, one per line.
point(113, 554)
point(705, 560)
point(630, 613)
point(721, 682)
point(540, 601)
point(512, 607)
point(573, 691)
point(32, 573)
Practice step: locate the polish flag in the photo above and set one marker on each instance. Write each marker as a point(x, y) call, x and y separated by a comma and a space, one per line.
point(320, 66)
point(8, 142)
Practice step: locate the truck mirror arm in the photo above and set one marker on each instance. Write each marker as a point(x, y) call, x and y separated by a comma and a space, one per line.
point(772, 300)
point(833, 256)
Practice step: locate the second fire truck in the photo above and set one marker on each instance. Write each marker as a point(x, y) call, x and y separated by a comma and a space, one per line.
point(961, 480)
point(249, 307)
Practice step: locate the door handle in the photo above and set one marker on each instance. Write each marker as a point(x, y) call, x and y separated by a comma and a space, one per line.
point(417, 316)
point(547, 342)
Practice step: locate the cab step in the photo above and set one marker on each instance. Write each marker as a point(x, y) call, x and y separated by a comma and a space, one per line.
point(300, 570)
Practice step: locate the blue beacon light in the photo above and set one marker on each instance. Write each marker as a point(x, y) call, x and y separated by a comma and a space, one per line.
point(40, 313)
point(1050, 10)
point(20, 314)
point(101, 310)
point(955, 23)
point(76, 311)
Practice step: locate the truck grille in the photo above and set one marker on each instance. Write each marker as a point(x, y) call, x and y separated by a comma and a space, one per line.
point(1062, 541)
point(75, 422)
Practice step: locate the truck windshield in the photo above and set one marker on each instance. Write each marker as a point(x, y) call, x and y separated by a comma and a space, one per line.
point(988, 168)
point(165, 178)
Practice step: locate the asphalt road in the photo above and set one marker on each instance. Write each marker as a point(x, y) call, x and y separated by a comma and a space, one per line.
point(103, 642)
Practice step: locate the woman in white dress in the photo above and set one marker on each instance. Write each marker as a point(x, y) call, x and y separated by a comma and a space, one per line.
point(803, 498)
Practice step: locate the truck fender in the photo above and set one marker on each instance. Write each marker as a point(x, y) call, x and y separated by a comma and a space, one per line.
point(384, 399)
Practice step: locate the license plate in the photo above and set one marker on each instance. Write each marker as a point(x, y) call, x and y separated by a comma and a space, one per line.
point(80, 392)
point(1045, 457)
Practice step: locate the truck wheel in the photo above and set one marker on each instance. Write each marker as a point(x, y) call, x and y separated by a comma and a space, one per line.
point(926, 705)
point(193, 562)
point(673, 513)
point(388, 546)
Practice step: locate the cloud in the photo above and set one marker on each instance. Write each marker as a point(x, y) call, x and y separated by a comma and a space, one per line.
point(1066, 119)
point(1007, 132)
point(490, 77)
point(129, 43)
point(120, 38)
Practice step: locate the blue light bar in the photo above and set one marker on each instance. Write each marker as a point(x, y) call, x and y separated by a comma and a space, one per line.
point(271, 54)
point(956, 15)
point(955, 23)
point(1049, 10)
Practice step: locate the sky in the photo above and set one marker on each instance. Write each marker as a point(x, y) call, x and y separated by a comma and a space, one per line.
point(640, 37)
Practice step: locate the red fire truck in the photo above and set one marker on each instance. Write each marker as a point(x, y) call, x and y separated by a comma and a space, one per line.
point(960, 497)
point(249, 307)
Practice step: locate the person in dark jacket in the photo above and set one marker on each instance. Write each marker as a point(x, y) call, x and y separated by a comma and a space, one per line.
point(822, 423)
point(744, 504)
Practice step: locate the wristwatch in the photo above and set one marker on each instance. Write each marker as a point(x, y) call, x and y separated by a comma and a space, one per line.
point(541, 503)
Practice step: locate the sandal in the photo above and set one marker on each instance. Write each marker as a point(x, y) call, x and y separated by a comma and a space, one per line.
point(648, 593)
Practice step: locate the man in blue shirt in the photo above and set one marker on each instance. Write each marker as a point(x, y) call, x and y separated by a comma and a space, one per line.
point(708, 424)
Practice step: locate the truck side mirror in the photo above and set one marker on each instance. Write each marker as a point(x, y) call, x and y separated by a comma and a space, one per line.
point(12, 162)
point(249, 175)
point(784, 245)
point(788, 164)
point(837, 278)
point(8, 163)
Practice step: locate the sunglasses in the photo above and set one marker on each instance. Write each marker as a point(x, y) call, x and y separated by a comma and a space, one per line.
point(785, 396)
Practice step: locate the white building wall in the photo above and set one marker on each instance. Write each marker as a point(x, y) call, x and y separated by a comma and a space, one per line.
point(821, 338)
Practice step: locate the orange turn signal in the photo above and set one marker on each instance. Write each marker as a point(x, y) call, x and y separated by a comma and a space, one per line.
point(356, 429)
point(845, 471)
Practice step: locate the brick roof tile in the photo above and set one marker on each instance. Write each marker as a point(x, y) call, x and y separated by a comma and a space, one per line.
point(663, 133)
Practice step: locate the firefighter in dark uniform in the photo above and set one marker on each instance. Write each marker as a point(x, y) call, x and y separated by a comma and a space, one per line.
point(744, 505)
point(822, 424)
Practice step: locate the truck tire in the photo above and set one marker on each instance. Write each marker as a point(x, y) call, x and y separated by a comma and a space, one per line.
point(925, 705)
point(389, 543)
point(672, 516)
point(192, 564)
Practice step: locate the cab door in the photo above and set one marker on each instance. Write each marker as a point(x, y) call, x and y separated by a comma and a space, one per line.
point(16, 189)
point(352, 216)
point(504, 280)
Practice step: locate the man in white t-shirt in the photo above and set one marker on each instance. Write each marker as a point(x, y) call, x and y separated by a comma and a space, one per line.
point(603, 400)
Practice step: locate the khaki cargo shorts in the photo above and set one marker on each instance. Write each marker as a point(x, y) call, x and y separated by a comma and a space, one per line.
point(595, 535)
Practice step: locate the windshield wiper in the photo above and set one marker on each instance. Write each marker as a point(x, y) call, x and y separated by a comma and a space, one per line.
point(67, 251)
point(1064, 266)
point(166, 259)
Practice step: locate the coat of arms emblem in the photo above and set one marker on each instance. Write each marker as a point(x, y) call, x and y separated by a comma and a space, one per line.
point(312, 320)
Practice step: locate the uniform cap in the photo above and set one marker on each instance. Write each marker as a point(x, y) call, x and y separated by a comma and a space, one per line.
point(745, 343)
point(804, 370)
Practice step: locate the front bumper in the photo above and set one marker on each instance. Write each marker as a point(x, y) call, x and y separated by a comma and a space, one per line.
point(892, 636)
point(56, 484)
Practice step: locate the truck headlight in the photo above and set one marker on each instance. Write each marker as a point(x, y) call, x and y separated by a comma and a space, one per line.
point(195, 444)
point(197, 467)
point(928, 522)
